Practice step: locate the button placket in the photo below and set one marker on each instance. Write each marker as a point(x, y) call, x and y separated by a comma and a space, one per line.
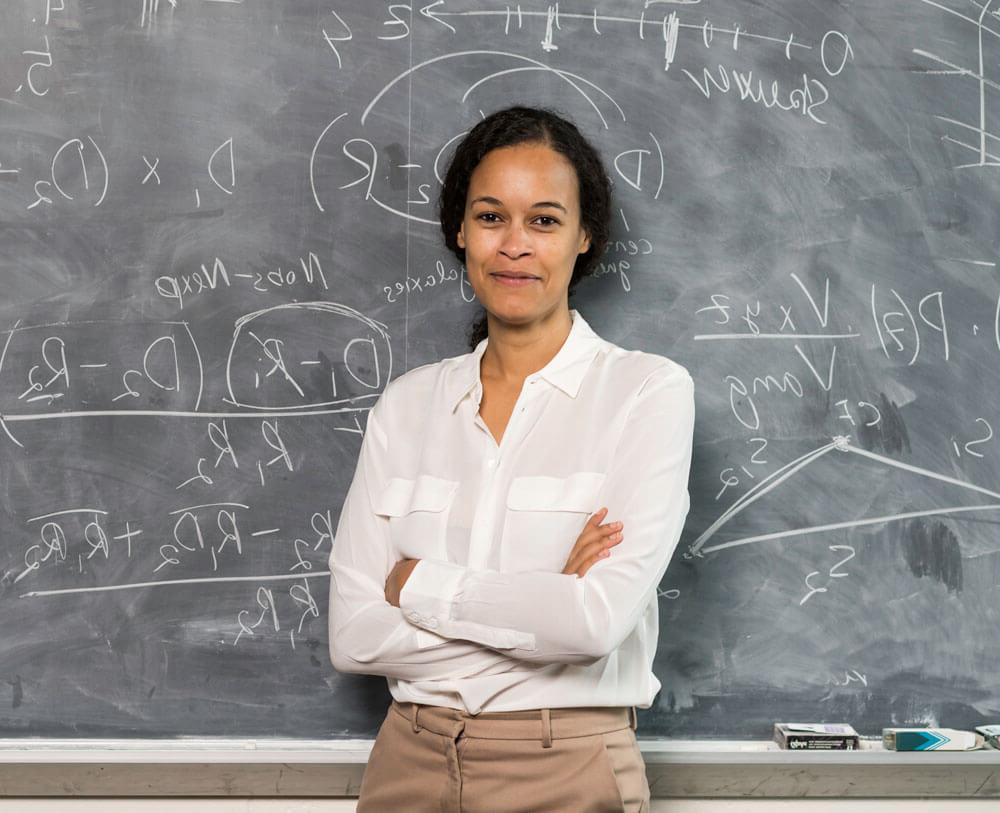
point(482, 530)
point(485, 518)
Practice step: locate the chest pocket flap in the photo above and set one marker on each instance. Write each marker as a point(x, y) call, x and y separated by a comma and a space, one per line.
point(402, 496)
point(577, 492)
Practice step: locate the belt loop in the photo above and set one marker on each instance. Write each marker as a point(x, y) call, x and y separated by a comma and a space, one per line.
point(546, 729)
point(633, 718)
point(414, 708)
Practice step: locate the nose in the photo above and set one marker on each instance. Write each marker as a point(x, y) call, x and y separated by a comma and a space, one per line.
point(516, 242)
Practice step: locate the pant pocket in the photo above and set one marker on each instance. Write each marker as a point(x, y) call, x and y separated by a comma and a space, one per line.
point(405, 771)
point(628, 769)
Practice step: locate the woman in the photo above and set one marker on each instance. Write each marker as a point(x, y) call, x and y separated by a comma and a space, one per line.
point(473, 565)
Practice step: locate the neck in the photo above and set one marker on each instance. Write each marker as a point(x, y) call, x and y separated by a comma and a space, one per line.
point(514, 352)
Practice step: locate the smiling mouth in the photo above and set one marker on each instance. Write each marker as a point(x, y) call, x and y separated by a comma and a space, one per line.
point(525, 277)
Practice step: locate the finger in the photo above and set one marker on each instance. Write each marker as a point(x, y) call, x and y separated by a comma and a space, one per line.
point(597, 516)
point(577, 557)
point(593, 548)
point(585, 536)
point(593, 561)
point(596, 548)
point(605, 529)
point(590, 535)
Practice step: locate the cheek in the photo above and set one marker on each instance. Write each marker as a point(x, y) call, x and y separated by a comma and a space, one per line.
point(479, 247)
point(563, 256)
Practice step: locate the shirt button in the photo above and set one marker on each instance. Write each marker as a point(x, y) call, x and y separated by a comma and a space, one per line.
point(491, 463)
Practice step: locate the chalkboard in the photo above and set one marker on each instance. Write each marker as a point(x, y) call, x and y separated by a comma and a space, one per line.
point(218, 244)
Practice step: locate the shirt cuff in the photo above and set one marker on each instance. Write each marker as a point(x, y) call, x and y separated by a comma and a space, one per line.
point(427, 596)
point(431, 599)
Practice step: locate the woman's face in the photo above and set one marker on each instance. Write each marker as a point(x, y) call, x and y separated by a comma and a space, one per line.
point(522, 232)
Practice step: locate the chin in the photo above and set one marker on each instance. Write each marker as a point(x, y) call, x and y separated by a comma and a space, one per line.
point(518, 313)
point(512, 312)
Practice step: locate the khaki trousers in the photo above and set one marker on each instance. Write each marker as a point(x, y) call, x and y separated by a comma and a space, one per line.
point(431, 759)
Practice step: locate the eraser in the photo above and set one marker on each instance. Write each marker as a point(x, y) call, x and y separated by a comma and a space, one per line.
point(816, 736)
point(930, 739)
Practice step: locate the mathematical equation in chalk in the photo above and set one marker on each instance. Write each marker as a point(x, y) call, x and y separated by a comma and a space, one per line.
point(671, 31)
point(297, 357)
point(78, 173)
point(803, 327)
point(86, 544)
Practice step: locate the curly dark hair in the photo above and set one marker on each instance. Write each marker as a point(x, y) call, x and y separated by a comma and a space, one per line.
point(521, 125)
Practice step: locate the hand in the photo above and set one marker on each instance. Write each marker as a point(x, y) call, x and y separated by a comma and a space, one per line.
point(594, 543)
point(397, 578)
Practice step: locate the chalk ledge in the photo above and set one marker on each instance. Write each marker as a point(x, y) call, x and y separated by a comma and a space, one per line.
point(334, 768)
point(350, 752)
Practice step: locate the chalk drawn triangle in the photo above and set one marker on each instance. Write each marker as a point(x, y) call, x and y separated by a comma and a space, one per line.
point(986, 500)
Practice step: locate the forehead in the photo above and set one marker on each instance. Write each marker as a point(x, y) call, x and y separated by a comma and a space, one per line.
point(525, 173)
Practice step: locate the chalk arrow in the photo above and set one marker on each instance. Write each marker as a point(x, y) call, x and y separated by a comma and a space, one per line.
point(428, 12)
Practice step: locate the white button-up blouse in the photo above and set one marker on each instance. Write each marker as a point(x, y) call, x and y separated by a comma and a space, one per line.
point(487, 622)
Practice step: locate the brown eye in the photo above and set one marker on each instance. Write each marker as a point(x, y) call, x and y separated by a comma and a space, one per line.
point(545, 220)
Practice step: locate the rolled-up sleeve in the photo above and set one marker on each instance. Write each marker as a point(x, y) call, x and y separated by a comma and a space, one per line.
point(367, 634)
point(555, 618)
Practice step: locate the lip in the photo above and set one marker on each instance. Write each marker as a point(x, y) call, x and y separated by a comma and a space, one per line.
point(513, 280)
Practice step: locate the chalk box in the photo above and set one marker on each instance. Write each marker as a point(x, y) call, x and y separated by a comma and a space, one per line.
point(930, 739)
point(816, 736)
point(990, 733)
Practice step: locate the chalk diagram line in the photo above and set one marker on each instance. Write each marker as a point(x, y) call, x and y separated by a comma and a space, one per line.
point(553, 15)
point(523, 63)
point(986, 158)
point(842, 444)
point(173, 582)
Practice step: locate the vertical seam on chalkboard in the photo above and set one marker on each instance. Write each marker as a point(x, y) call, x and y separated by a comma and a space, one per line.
point(409, 160)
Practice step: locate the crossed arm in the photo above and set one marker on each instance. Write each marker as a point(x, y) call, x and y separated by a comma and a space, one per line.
point(457, 622)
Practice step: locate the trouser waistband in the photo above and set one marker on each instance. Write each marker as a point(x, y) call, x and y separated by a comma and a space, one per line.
point(542, 724)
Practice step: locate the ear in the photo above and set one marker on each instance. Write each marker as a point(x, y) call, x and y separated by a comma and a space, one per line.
point(460, 239)
point(584, 243)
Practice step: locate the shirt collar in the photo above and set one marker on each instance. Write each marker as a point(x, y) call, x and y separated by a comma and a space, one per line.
point(565, 369)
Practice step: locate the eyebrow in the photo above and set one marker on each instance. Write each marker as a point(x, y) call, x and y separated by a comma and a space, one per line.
point(542, 204)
